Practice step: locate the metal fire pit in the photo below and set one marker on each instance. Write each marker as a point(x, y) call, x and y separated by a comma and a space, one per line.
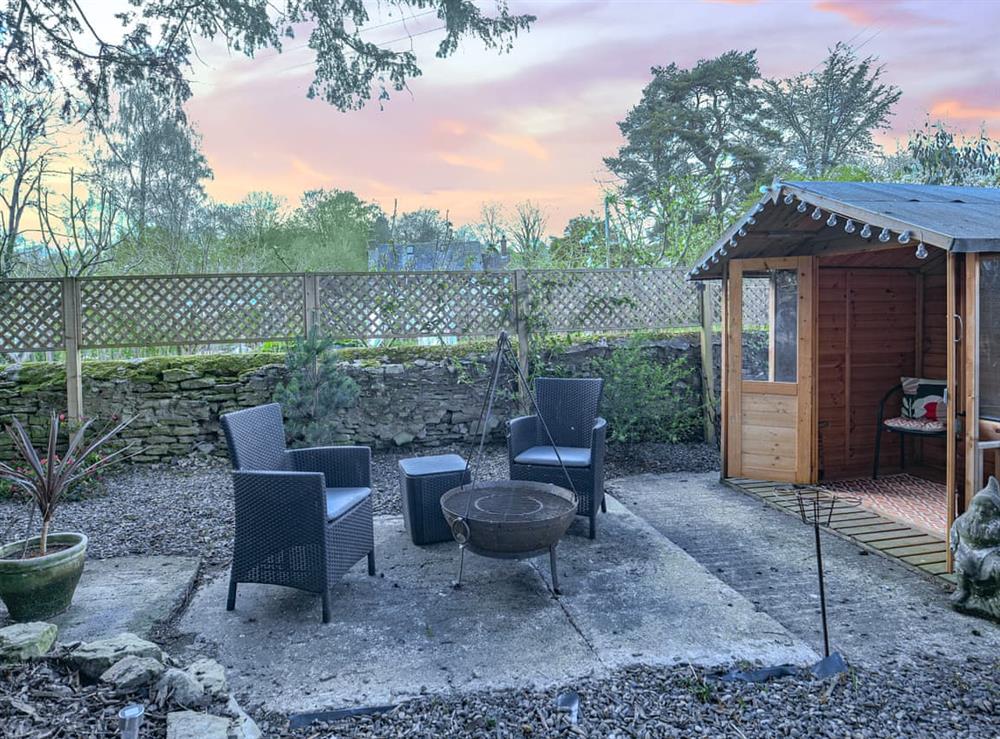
point(509, 519)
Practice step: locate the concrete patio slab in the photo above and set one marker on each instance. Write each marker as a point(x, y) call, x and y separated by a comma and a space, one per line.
point(124, 594)
point(631, 596)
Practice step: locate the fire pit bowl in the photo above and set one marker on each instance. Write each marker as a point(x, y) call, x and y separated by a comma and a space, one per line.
point(509, 519)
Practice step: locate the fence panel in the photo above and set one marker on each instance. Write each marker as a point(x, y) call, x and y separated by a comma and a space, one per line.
point(414, 304)
point(31, 315)
point(202, 309)
point(608, 300)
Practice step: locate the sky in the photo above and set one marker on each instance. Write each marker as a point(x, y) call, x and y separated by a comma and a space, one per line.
point(536, 123)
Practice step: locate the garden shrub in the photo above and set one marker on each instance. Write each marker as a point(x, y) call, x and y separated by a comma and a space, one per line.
point(314, 391)
point(648, 400)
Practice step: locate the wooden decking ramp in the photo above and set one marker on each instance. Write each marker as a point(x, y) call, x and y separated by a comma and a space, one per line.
point(875, 532)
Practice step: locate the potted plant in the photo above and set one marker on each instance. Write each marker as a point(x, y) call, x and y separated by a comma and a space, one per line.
point(39, 574)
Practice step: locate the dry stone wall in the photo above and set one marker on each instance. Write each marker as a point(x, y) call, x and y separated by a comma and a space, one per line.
point(411, 397)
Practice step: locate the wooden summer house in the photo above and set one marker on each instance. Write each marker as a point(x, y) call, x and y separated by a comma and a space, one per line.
point(866, 284)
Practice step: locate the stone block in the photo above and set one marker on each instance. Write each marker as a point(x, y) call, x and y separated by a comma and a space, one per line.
point(131, 673)
point(195, 725)
point(20, 642)
point(211, 675)
point(182, 686)
point(94, 658)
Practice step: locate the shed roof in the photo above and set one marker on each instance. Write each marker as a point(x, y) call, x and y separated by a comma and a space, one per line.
point(961, 219)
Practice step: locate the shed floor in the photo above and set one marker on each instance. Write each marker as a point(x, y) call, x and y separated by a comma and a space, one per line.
point(904, 497)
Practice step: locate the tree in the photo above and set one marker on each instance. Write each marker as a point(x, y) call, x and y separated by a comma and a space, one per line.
point(827, 117)
point(151, 158)
point(528, 231)
point(26, 150)
point(582, 243)
point(422, 226)
point(83, 233)
point(937, 156)
point(56, 44)
point(703, 124)
point(331, 230)
point(492, 224)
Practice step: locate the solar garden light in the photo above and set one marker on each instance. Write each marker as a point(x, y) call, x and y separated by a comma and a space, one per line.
point(130, 719)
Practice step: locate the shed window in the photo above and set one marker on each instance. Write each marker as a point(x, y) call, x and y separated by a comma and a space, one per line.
point(989, 337)
point(770, 325)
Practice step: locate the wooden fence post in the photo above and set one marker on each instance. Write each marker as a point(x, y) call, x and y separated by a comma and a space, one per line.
point(310, 289)
point(706, 313)
point(71, 344)
point(521, 317)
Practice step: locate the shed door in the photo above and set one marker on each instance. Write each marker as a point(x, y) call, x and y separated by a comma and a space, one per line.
point(769, 369)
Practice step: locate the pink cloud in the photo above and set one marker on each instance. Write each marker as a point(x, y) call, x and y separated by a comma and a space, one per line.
point(893, 13)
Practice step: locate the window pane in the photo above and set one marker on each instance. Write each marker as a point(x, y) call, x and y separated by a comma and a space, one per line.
point(785, 284)
point(989, 337)
point(756, 327)
point(770, 326)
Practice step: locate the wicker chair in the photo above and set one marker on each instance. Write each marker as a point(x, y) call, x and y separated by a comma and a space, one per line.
point(303, 516)
point(569, 407)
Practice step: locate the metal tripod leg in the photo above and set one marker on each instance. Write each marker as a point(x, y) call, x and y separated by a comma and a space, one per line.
point(552, 565)
point(822, 591)
point(461, 565)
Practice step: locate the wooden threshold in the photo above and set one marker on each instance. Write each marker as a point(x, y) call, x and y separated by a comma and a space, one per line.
point(908, 545)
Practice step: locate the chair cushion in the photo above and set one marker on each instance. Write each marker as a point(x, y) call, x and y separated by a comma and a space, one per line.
point(923, 398)
point(921, 425)
point(435, 464)
point(340, 500)
point(546, 456)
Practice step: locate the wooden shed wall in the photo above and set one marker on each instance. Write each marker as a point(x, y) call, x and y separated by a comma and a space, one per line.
point(867, 332)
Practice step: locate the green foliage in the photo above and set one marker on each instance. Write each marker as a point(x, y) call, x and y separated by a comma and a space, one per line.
point(940, 157)
point(51, 43)
point(314, 391)
point(827, 117)
point(647, 400)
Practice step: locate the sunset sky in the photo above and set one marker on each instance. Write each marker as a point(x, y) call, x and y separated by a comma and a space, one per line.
point(537, 122)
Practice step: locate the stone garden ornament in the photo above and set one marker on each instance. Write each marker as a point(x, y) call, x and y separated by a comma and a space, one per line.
point(975, 544)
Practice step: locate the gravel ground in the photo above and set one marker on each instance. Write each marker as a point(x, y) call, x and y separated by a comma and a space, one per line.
point(186, 508)
point(927, 700)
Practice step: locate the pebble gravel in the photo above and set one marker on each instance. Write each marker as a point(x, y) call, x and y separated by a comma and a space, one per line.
point(928, 699)
point(186, 507)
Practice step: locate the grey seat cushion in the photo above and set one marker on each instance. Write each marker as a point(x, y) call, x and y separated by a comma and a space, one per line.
point(435, 464)
point(340, 500)
point(546, 456)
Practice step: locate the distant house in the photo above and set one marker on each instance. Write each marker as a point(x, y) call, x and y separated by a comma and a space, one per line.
point(432, 255)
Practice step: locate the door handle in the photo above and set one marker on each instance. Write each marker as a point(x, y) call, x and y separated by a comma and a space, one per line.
point(961, 328)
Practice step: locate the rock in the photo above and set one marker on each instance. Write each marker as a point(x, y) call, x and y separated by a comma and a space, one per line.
point(194, 725)
point(211, 675)
point(402, 438)
point(131, 673)
point(975, 543)
point(94, 658)
point(182, 686)
point(242, 727)
point(177, 375)
point(20, 642)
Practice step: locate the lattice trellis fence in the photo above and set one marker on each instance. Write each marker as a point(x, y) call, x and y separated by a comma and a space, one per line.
point(31, 315)
point(605, 300)
point(414, 304)
point(157, 311)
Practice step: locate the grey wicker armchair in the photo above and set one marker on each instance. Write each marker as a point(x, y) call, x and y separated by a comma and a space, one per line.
point(569, 408)
point(303, 516)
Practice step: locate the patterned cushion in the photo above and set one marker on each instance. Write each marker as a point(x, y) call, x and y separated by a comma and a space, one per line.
point(923, 425)
point(923, 399)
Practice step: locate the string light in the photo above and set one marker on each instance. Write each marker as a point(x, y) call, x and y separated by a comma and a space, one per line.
point(789, 199)
point(751, 220)
point(849, 227)
point(866, 231)
point(817, 214)
point(832, 220)
point(732, 242)
point(742, 232)
point(803, 206)
point(884, 235)
point(921, 251)
point(904, 238)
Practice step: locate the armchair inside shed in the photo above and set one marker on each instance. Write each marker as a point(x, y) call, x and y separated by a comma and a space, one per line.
point(869, 287)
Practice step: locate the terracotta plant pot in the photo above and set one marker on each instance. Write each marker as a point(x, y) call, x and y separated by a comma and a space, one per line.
point(38, 588)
